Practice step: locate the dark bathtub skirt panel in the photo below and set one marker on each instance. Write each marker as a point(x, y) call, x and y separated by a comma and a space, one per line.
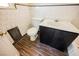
point(58, 39)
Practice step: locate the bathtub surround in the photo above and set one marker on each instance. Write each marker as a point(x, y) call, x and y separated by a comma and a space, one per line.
point(67, 13)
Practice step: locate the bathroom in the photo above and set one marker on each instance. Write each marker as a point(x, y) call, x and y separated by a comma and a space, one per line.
point(22, 16)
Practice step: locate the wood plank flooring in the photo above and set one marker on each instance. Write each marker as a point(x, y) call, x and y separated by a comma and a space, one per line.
point(35, 48)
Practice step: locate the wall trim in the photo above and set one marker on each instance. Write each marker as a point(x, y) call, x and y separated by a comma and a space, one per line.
point(46, 5)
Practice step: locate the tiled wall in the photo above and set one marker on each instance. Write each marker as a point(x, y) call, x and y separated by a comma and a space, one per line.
point(56, 12)
point(10, 18)
point(20, 17)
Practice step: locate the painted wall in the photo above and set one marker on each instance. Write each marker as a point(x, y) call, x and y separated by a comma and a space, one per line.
point(20, 17)
point(56, 12)
point(75, 44)
point(6, 47)
point(10, 18)
point(75, 22)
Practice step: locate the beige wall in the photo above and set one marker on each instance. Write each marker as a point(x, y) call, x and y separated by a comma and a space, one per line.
point(10, 18)
point(74, 47)
point(20, 17)
point(76, 22)
point(6, 47)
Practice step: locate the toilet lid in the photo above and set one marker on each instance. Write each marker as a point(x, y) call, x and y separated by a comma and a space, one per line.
point(32, 31)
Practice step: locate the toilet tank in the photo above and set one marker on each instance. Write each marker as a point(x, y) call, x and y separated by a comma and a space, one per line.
point(36, 21)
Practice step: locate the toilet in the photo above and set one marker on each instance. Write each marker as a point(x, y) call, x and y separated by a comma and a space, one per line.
point(32, 32)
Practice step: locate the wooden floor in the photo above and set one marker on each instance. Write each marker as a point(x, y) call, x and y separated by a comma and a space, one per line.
point(35, 48)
